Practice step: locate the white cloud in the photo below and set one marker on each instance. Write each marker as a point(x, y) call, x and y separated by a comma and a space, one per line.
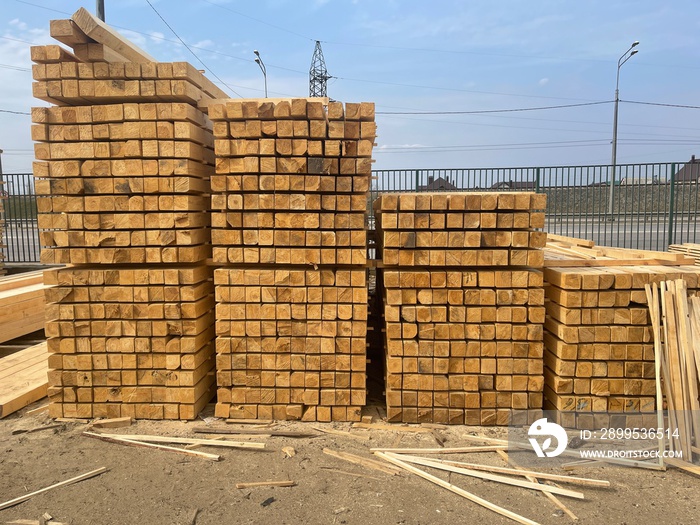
point(157, 37)
point(18, 23)
point(543, 81)
point(206, 43)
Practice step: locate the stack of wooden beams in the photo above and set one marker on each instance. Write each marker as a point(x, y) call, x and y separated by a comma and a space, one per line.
point(123, 183)
point(130, 341)
point(599, 351)
point(463, 305)
point(124, 161)
point(290, 194)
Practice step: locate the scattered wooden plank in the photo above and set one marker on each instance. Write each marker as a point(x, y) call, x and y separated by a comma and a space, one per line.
point(254, 431)
point(444, 450)
point(67, 482)
point(188, 441)
point(355, 474)
point(551, 497)
point(36, 429)
point(132, 443)
point(116, 422)
point(260, 422)
point(266, 484)
point(342, 433)
point(392, 428)
point(365, 462)
point(525, 473)
point(457, 490)
point(486, 475)
point(37, 410)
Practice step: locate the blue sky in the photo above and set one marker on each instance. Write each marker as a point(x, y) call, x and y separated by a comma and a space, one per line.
point(416, 56)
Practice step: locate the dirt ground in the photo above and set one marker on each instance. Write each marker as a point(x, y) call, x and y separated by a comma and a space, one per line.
point(145, 486)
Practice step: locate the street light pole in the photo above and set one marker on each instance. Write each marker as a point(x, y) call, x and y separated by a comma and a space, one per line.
point(260, 63)
point(624, 58)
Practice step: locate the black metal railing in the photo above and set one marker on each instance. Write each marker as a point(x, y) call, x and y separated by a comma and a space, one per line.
point(20, 229)
point(651, 206)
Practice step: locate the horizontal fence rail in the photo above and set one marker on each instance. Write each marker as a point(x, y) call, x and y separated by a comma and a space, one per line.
point(650, 205)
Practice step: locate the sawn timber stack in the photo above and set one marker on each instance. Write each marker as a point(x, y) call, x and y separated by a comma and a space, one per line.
point(599, 351)
point(124, 158)
point(463, 305)
point(289, 199)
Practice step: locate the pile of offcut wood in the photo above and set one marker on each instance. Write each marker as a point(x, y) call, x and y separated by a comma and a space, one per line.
point(122, 177)
point(463, 305)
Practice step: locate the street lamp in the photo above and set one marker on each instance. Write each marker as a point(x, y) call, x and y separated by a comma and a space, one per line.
point(260, 63)
point(624, 58)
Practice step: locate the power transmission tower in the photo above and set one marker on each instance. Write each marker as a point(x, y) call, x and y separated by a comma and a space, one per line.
point(318, 74)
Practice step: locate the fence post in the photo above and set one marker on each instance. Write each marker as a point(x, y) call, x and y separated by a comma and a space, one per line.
point(672, 204)
point(417, 179)
point(537, 180)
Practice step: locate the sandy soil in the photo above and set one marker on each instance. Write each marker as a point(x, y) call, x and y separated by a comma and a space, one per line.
point(156, 487)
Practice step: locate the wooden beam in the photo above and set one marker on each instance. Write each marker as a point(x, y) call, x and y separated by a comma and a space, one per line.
point(365, 462)
point(551, 497)
point(453, 488)
point(133, 443)
point(76, 479)
point(253, 484)
point(189, 441)
point(487, 476)
point(100, 32)
point(575, 241)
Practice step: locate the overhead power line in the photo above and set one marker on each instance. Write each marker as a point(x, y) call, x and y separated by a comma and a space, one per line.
point(684, 106)
point(478, 112)
point(190, 50)
point(14, 112)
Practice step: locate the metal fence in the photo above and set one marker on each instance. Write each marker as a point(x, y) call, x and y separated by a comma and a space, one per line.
point(653, 205)
point(20, 229)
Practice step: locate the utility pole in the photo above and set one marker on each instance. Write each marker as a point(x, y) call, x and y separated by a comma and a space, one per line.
point(318, 74)
point(624, 58)
point(100, 9)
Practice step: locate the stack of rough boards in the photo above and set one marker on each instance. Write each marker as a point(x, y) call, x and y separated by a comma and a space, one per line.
point(23, 372)
point(463, 305)
point(599, 338)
